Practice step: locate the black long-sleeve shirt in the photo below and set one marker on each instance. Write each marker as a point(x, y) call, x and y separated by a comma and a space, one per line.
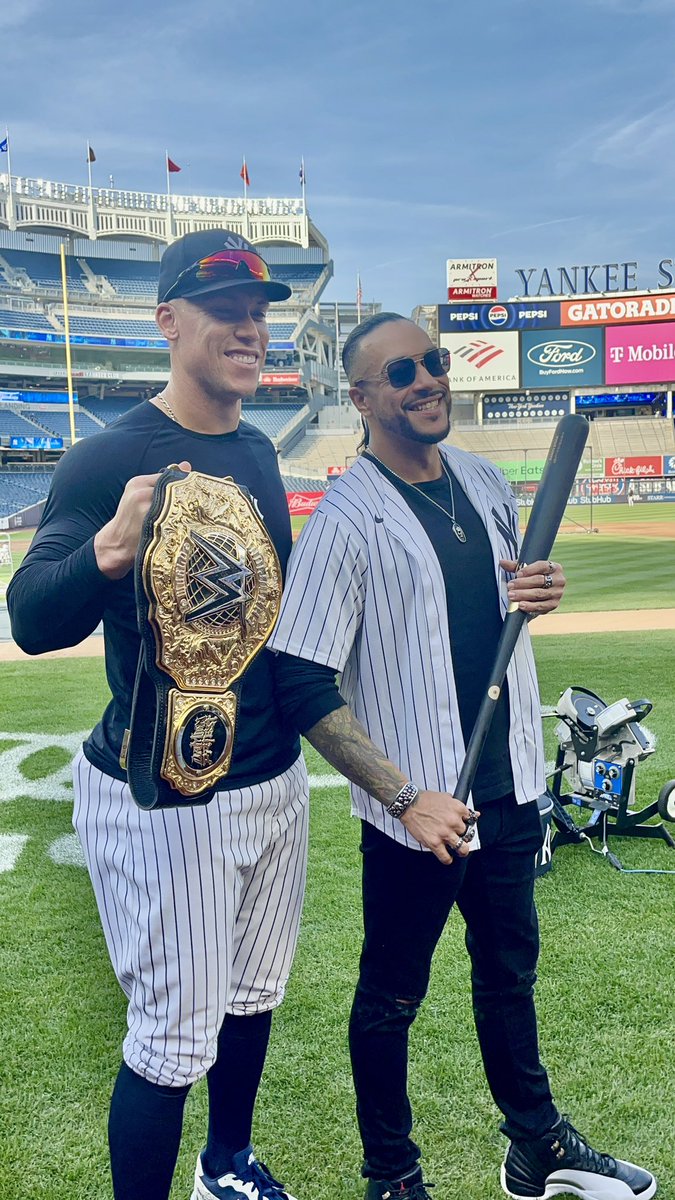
point(58, 596)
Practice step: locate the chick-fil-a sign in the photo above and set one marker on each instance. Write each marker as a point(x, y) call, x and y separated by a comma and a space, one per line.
point(640, 353)
point(634, 466)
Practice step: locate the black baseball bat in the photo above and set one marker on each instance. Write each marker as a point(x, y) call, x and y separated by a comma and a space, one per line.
point(563, 460)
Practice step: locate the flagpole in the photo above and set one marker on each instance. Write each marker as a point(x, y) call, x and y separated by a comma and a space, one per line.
point(358, 298)
point(244, 176)
point(66, 325)
point(304, 197)
point(337, 360)
point(10, 203)
point(92, 215)
point(168, 196)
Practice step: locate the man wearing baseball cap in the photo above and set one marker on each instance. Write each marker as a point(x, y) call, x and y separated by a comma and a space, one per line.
point(199, 903)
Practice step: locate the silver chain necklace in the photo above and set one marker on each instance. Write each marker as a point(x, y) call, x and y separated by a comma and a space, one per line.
point(456, 527)
point(167, 407)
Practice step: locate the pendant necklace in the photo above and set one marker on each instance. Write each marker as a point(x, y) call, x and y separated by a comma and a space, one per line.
point(456, 527)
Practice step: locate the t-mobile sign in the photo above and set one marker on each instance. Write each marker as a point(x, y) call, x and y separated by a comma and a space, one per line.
point(640, 353)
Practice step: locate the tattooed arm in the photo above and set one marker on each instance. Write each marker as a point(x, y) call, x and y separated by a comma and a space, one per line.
point(435, 819)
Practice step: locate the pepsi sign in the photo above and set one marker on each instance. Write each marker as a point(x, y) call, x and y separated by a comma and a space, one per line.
point(463, 318)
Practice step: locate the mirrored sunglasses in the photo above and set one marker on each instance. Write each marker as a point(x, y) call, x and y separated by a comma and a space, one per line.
point(400, 372)
point(223, 264)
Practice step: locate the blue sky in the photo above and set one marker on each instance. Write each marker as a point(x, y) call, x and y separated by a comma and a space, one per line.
point(539, 133)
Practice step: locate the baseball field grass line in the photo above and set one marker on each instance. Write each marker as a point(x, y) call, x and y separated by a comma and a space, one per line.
point(605, 573)
point(605, 1017)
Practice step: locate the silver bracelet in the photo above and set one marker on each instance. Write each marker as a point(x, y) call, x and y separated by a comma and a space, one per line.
point(402, 801)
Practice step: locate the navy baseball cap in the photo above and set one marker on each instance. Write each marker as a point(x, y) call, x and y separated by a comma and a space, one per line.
point(212, 260)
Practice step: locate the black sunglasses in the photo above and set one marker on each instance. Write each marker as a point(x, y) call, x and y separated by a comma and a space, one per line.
point(400, 372)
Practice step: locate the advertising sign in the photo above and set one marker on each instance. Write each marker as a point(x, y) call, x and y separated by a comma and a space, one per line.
point(335, 471)
point(280, 379)
point(521, 406)
point(634, 465)
point(81, 339)
point(640, 354)
point(35, 443)
point(482, 362)
point(465, 317)
point(301, 504)
point(669, 464)
point(561, 359)
point(626, 310)
point(523, 472)
point(35, 397)
point(472, 278)
point(620, 400)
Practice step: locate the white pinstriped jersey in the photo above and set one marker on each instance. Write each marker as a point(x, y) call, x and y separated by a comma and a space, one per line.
point(365, 595)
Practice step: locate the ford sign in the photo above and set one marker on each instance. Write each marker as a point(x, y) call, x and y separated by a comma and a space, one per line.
point(569, 353)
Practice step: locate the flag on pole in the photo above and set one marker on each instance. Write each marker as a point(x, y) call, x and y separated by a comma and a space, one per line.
point(4, 146)
point(91, 157)
point(359, 298)
point(302, 172)
point(171, 166)
point(243, 174)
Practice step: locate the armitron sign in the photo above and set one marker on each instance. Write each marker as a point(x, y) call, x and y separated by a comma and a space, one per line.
point(472, 279)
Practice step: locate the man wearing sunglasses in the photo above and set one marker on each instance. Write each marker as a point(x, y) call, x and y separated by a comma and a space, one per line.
point(416, 547)
point(199, 904)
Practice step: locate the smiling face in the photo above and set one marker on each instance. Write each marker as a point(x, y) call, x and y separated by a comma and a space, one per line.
point(219, 341)
point(419, 413)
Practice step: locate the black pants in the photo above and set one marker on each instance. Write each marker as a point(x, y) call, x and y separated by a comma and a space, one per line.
point(407, 896)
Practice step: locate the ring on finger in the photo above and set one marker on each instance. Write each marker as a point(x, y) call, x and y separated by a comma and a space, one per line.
point(548, 581)
point(551, 565)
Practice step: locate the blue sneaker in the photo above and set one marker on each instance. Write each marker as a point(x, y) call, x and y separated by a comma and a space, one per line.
point(247, 1179)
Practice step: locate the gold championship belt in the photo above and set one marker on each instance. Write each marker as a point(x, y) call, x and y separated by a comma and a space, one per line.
point(208, 589)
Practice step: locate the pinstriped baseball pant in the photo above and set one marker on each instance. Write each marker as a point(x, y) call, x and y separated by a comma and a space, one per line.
point(200, 908)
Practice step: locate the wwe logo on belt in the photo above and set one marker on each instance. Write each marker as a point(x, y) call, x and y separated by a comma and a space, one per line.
point(225, 582)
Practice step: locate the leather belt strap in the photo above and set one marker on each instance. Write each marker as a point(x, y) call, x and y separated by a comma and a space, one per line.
point(208, 590)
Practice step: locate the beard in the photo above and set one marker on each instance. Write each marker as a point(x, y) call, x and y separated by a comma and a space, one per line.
point(402, 427)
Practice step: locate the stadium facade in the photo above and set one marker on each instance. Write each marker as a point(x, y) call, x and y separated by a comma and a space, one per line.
point(517, 366)
point(113, 242)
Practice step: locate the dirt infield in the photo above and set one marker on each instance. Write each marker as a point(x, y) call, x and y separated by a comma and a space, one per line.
point(646, 528)
point(628, 621)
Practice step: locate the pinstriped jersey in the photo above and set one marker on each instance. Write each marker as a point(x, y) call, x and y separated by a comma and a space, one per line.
point(365, 595)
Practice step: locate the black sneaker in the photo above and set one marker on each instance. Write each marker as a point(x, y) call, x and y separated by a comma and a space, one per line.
point(563, 1162)
point(409, 1187)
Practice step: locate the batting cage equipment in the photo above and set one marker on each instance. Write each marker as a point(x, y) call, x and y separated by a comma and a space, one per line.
point(599, 749)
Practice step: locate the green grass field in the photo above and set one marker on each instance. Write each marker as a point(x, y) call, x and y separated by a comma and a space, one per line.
point(605, 570)
point(604, 993)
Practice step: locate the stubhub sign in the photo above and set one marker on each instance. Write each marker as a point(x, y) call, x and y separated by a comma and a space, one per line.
point(465, 318)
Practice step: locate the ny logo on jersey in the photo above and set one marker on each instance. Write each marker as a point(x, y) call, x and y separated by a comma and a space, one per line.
point(507, 524)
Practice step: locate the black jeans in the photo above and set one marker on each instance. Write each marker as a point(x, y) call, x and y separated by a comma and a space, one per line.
point(407, 896)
